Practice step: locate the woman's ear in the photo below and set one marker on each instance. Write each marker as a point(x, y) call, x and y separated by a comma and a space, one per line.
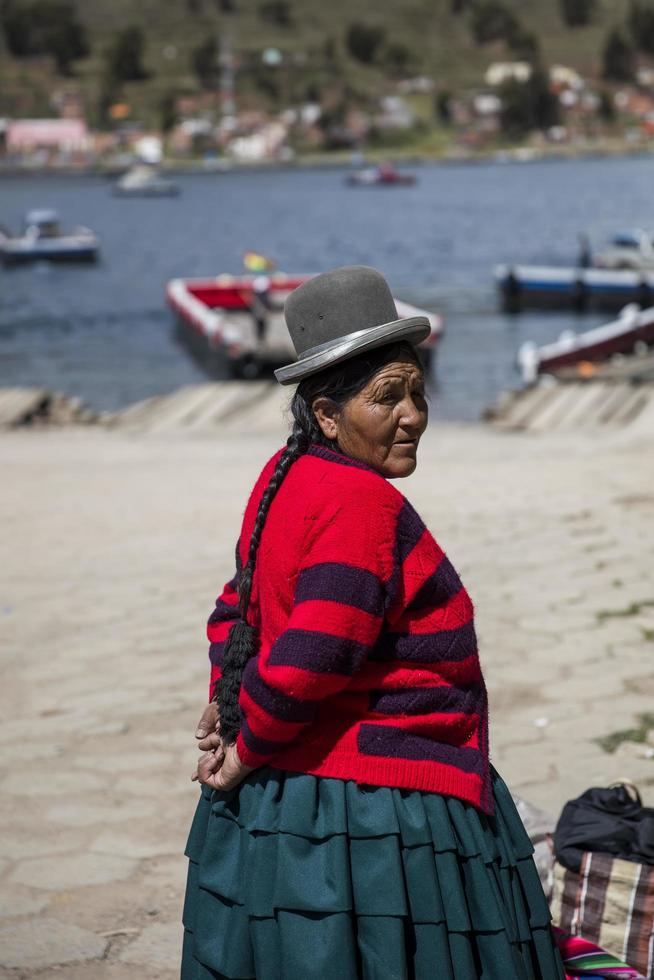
point(326, 413)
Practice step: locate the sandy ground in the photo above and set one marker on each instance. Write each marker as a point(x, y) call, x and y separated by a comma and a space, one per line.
point(114, 546)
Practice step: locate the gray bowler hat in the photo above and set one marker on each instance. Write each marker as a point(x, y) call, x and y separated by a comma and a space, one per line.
point(339, 314)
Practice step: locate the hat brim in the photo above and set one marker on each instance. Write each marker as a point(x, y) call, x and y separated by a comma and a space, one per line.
point(415, 329)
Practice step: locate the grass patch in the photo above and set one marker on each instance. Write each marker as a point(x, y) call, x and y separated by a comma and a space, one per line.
point(648, 635)
point(633, 610)
point(609, 743)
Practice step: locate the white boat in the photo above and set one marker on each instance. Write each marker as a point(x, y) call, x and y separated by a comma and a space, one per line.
point(144, 181)
point(628, 250)
point(573, 288)
point(42, 238)
point(235, 324)
point(632, 332)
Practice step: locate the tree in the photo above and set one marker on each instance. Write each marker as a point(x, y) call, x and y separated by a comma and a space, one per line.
point(363, 41)
point(125, 57)
point(492, 21)
point(528, 105)
point(641, 25)
point(578, 13)
point(45, 27)
point(618, 58)
point(167, 111)
point(397, 57)
point(276, 12)
point(606, 106)
point(443, 107)
point(204, 60)
point(525, 45)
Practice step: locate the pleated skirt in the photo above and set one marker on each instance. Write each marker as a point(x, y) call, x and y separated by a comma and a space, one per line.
point(298, 877)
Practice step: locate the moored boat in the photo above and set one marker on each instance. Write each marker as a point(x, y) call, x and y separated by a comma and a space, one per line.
point(573, 288)
point(144, 181)
point(42, 239)
point(631, 332)
point(385, 175)
point(234, 325)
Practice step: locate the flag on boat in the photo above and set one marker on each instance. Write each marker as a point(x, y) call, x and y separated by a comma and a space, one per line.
point(255, 262)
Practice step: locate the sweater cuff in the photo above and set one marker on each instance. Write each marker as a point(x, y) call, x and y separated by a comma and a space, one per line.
point(247, 757)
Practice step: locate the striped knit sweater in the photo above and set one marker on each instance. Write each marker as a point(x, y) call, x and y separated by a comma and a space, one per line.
point(367, 666)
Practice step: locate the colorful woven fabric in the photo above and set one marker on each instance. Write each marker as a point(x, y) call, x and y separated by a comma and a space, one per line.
point(367, 667)
point(610, 902)
point(582, 958)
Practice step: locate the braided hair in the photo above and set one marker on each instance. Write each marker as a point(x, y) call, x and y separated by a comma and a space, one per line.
point(339, 384)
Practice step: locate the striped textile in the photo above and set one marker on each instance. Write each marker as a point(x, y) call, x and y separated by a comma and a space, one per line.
point(582, 958)
point(611, 903)
point(368, 666)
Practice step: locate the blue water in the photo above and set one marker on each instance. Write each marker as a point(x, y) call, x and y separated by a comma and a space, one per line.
point(104, 333)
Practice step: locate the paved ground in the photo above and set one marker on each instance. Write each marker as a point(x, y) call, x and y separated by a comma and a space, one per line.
point(114, 548)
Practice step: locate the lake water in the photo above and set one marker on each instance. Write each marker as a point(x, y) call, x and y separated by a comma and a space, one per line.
point(104, 332)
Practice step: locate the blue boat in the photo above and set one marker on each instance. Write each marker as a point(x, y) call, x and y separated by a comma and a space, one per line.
point(580, 289)
point(42, 239)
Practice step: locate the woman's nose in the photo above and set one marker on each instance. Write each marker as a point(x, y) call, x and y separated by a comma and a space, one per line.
point(412, 416)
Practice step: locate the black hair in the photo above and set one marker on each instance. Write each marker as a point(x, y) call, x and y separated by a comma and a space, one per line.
point(339, 384)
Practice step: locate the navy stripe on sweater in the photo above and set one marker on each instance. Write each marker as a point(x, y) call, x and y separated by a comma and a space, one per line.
point(321, 653)
point(441, 585)
point(336, 582)
point(408, 531)
point(427, 700)
point(274, 702)
point(391, 742)
point(456, 644)
point(262, 746)
point(216, 651)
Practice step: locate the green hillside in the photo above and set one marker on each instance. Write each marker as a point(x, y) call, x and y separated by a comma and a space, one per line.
point(431, 39)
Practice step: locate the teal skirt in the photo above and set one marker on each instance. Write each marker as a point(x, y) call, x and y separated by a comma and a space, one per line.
point(298, 877)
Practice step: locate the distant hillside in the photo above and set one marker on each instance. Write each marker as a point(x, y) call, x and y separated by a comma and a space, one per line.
point(417, 37)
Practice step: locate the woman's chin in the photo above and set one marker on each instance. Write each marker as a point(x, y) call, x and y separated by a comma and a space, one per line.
point(398, 468)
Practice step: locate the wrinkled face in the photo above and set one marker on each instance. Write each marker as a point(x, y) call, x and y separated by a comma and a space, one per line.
point(381, 425)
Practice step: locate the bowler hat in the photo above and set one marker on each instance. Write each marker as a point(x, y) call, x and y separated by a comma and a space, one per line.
point(339, 314)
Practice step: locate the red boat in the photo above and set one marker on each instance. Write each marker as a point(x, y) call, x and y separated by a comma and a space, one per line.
point(383, 176)
point(234, 325)
point(632, 332)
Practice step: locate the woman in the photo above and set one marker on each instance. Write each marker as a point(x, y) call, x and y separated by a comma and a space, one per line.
point(350, 823)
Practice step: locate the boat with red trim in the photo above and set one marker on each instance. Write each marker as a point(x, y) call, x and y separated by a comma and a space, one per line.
point(631, 333)
point(234, 325)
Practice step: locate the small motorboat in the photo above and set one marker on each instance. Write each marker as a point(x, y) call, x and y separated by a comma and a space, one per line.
point(385, 175)
point(41, 238)
point(631, 333)
point(234, 325)
point(628, 250)
point(144, 181)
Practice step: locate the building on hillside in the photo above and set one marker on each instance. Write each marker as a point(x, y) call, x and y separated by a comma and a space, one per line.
point(507, 71)
point(51, 137)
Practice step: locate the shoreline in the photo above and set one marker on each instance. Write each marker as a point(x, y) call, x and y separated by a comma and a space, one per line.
point(519, 154)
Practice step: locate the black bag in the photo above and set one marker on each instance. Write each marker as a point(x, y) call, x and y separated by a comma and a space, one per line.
point(612, 820)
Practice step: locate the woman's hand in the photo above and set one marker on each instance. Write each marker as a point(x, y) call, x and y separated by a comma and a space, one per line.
point(222, 769)
point(209, 722)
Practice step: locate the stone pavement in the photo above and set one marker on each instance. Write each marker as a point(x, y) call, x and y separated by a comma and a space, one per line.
point(117, 545)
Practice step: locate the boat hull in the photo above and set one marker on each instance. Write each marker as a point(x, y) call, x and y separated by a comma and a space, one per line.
point(12, 256)
point(215, 322)
point(632, 332)
point(545, 287)
point(170, 191)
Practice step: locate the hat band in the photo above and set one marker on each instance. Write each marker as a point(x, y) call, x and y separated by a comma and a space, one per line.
point(347, 338)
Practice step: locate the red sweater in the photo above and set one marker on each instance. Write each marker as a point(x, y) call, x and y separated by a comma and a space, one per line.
point(367, 667)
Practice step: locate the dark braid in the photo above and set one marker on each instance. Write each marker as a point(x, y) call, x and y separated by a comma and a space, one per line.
point(339, 384)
